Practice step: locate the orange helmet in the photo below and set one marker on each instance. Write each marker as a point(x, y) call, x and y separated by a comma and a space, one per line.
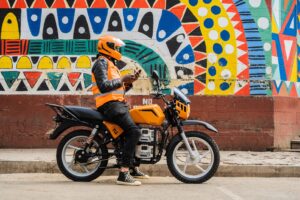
point(110, 45)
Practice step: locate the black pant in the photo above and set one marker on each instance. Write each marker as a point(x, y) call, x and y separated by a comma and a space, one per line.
point(117, 112)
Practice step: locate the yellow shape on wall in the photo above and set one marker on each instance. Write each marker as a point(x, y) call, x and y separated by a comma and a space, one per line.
point(24, 63)
point(10, 27)
point(6, 62)
point(221, 48)
point(83, 62)
point(64, 63)
point(45, 63)
point(294, 77)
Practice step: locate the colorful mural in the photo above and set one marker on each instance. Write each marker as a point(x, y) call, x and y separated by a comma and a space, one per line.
point(204, 47)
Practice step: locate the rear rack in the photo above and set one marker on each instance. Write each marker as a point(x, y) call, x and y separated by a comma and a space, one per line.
point(62, 111)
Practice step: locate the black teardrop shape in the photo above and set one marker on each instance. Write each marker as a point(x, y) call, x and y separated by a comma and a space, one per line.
point(115, 23)
point(79, 87)
point(146, 25)
point(81, 30)
point(111, 3)
point(54, 58)
point(128, 3)
point(50, 28)
point(49, 3)
point(29, 3)
point(173, 44)
point(70, 3)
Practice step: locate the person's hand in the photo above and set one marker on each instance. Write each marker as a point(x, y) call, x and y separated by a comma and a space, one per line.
point(137, 73)
point(128, 79)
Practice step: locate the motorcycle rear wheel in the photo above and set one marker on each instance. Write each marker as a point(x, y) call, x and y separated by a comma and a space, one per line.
point(67, 150)
point(188, 169)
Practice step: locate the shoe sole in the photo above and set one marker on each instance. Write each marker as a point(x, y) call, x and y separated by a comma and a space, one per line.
point(129, 184)
point(141, 177)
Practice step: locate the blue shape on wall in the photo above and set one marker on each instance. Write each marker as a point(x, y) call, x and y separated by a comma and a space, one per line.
point(130, 16)
point(97, 18)
point(34, 20)
point(65, 19)
point(168, 24)
point(186, 55)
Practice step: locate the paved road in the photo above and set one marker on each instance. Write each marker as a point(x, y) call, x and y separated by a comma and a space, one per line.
point(56, 186)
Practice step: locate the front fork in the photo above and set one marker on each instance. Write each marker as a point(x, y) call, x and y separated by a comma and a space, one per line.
point(186, 142)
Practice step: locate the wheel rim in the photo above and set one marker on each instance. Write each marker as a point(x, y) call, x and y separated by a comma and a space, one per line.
point(68, 157)
point(197, 166)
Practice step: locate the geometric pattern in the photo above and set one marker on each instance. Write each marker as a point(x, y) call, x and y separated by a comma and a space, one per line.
point(284, 49)
point(203, 47)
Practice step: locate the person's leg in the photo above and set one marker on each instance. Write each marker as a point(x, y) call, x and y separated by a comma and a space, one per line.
point(118, 113)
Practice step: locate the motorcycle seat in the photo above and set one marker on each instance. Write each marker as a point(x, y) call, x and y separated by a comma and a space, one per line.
point(85, 113)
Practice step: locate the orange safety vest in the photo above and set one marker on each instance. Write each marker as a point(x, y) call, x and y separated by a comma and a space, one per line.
point(114, 95)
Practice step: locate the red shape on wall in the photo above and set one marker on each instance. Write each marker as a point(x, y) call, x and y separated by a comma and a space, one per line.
point(99, 4)
point(120, 4)
point(199, 70)
point(73, 77)
point(59, 4)
point(198, 86)
point(199, 56)
point(190, 27)
point(245, 91)
point(160, 4)
point(195, 40)
point(20, 4)
point(80, 4)
point(4, 4)
point(293, 91)
point(32, 77)
point(178, 11)
point(40, 4)
point(140, 4)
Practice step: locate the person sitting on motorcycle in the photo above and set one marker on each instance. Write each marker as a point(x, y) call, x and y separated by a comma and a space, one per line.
point(109, 88)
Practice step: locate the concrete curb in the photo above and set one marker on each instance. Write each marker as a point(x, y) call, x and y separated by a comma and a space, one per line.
point(7, 167)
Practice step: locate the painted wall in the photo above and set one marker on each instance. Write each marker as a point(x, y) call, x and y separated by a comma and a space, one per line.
point(220, 47)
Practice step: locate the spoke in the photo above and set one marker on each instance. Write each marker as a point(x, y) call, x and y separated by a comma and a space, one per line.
point(205, 154)
point(195, 148)
point(85, 168)
point(73, 147)
point(185, 166)
point(71, 163)
point(199, 167)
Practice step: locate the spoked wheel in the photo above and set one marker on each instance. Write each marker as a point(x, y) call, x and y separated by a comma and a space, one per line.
point(195, 168)
point(75, 163)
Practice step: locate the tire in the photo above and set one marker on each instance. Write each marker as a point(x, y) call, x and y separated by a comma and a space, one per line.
point(62, 163)
point(176, 171)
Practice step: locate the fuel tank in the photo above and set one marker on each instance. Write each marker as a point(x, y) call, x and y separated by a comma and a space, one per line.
point(148, 114)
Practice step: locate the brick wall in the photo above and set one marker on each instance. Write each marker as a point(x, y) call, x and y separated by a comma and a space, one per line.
point(244, 123)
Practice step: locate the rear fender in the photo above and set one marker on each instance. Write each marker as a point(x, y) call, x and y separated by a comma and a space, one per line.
point(63, 126)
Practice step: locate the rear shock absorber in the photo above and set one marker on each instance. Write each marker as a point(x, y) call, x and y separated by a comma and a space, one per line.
point(90, 139)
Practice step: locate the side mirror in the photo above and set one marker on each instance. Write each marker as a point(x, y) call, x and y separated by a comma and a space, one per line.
point(155, 75)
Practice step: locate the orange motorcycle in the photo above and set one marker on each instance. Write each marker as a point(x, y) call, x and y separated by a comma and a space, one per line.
point(96, 144)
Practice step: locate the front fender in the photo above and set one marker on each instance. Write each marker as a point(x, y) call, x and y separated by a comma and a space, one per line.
point(201, 123)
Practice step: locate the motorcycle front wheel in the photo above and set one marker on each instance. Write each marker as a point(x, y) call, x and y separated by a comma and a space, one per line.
point(196, 168)
point(74, 163)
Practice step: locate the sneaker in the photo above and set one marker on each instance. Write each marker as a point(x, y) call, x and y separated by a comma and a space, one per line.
point(136, 173)
point(126, 179)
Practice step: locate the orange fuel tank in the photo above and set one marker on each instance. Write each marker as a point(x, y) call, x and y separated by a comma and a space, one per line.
point(148, 114)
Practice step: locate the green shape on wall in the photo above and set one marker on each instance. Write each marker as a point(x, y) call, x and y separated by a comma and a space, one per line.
point(87, 80)
point(10, 77)
point(54, 78)
point(148, 59)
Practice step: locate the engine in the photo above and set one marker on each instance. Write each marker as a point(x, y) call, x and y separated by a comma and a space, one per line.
point(147, 149)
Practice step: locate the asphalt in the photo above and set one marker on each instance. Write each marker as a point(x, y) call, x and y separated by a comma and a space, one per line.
point(233, 163)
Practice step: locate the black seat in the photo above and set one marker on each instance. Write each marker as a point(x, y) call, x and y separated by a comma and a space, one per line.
point(85, 114)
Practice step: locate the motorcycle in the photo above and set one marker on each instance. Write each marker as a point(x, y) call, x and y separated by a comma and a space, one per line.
point(84, 152)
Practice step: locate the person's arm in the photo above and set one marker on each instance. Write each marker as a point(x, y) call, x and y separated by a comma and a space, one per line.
point(100, 71)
